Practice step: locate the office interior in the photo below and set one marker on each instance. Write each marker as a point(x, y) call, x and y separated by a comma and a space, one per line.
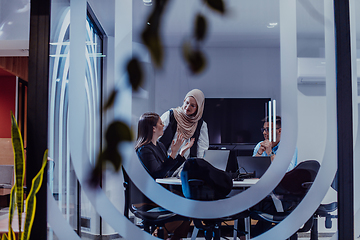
point(279, 50)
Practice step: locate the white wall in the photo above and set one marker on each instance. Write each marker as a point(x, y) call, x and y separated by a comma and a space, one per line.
point(231, 73)
point(312, 122)
point(312, 134)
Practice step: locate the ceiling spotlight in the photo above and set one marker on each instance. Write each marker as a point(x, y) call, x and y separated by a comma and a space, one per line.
point(147, 2)
point(272, 25)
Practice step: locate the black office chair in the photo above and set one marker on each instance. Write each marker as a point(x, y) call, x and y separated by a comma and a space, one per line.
point(201, 181)
point(152, 215)
point(292, 189)
point(324, 210)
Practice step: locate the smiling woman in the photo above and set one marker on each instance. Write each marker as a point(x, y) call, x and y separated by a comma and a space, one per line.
point(187, 120)
point(154, 158)
point(152, 153)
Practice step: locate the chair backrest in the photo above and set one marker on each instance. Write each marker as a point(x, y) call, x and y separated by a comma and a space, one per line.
point(133, 195)
point(298, 181)
point(202, 181)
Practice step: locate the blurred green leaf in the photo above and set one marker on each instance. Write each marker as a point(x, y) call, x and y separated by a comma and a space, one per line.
point(95, 175)
point(200, 27)
point(117, 132)
point(195, 59)
point(150, 34)
point(217, 5)
point(112, 155)
point(197, 62)
point(152, 41)
point(110, 102)
point(135, 73)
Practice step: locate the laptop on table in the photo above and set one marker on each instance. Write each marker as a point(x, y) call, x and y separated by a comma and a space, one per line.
point(256, 165)
point(217, 158)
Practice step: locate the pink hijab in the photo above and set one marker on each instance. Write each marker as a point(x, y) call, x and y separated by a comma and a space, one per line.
point(187, 124)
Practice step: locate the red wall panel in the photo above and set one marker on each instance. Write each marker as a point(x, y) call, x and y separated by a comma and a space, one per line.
point(7, 104)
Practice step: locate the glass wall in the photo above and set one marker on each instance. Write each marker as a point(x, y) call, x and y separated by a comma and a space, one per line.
point(63, 182)
point(283, 50)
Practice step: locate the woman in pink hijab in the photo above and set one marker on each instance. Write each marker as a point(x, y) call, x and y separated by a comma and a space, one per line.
point(187, 120)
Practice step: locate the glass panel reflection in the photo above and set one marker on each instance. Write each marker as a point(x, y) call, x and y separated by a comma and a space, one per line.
point(62, 179)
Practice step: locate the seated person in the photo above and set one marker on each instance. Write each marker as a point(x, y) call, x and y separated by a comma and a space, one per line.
point(157, 162)
point(152, 153)
point(267, 148)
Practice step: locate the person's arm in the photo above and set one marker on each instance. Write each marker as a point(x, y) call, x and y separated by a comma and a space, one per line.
point(153, 164)
point(175, 145)
point(165, 118)
point(293, 162)
point(186, 147)
point(256, 152)
point(203, 141)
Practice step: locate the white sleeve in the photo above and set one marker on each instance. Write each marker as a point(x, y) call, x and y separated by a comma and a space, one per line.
point(165, 118)
point(203, 141)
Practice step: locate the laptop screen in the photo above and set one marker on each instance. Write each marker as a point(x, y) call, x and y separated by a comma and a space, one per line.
point(217, 158)
point(256, 165)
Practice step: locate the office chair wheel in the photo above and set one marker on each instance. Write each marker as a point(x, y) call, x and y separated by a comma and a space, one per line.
point(208, 234)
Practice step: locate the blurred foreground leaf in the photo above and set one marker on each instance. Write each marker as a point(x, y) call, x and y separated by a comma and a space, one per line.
point(110, 102)
point(150, 34)
point(217, 5)
point(200, 27)
point(116, 133)
point(135, 73)
point(194, 58)
point(152, 41)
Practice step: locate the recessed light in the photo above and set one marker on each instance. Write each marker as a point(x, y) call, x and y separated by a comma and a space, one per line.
point(147, 2)
point(272, 25)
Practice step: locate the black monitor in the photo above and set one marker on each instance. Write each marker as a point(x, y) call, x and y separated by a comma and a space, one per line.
point(235, 120)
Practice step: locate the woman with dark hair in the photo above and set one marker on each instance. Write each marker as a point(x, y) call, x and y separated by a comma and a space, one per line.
point(152, 153)
point(187, 121)
point(154, 158)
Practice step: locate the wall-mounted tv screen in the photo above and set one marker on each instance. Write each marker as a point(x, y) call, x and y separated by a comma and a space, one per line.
point(235, 120)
